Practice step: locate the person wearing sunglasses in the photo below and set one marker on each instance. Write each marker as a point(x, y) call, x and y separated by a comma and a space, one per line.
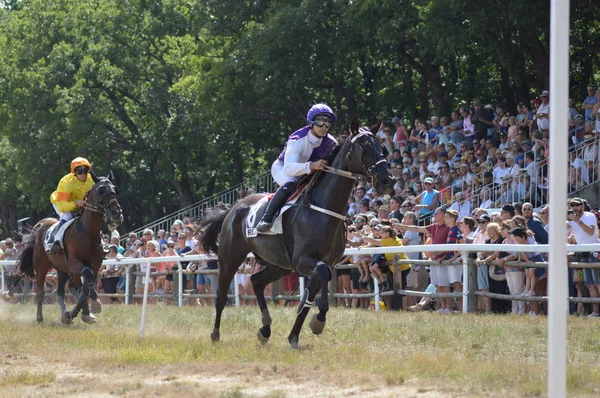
point(303, 153)
point(70, 193)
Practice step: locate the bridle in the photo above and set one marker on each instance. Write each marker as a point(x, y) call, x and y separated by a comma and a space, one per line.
point(101, 208)
point(369, 172)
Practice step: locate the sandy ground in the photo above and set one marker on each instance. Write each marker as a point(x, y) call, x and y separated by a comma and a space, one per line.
point(192, 381)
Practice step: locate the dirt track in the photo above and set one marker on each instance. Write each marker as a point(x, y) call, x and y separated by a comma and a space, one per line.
point(195, 380)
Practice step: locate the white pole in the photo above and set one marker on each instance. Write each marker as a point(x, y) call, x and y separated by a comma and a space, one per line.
point(127, 282)
point(558, 293)
point(465, 289)
point(145, 301)
point(236, 289)
point(302, 281)
point(180, 284)
point(2, 287)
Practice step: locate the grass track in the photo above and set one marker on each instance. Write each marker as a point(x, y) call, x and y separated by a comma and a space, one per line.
point(449, 355)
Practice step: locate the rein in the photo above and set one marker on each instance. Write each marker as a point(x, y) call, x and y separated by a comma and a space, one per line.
point(346, 174)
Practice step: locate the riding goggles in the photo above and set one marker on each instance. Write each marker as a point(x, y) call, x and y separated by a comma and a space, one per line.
point(323, 120)
point(82, 170)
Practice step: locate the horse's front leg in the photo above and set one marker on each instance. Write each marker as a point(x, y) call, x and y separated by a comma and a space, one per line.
point(82, 303)
point(96, 305)
point(321, 274)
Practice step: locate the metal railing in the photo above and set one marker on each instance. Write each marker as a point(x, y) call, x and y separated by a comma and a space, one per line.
point(228, 197)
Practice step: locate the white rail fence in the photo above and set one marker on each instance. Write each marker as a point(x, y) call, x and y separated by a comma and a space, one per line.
point(469, 275)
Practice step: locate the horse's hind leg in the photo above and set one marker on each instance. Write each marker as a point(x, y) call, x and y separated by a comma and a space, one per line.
point(40, 285)
point(65, 316)
point(259, 281)
point(227, 270)
point(10, 292)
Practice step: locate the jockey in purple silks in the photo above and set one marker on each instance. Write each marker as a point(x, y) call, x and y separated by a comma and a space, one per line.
point(302, 154)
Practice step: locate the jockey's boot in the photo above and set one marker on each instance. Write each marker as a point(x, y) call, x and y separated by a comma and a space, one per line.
point(56, 245)
point(276, 202)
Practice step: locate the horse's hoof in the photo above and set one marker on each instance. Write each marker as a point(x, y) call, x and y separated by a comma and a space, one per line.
point(316, 325)
point(293, 339)
point(40, 320)
point(89, 318)
point(66, 318)
point(215, 335)
point(96, 306)
point(6, 296)
point(263, 340)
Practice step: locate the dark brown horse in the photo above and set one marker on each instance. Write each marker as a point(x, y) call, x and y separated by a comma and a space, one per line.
point(82, 255)
point(313, 233)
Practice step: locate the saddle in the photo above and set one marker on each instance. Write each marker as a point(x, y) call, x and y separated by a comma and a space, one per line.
point(58, 236)
point(258, 209)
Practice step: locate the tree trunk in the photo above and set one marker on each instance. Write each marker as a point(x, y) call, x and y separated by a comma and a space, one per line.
point(8, 217)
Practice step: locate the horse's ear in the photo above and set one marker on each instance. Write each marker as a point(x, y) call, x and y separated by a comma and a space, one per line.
point(354, 126)
point(375, 129)
point(94, 176)
point(111, 176)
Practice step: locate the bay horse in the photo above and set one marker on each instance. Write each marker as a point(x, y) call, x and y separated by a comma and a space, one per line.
point(82, 255)
point(314, 236)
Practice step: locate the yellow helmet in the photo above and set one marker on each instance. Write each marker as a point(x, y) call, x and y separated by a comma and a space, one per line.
point(77, 162)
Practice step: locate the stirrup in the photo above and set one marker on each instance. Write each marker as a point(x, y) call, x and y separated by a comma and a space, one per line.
point(264, 226)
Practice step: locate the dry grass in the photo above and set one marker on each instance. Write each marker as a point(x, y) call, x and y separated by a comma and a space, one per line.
point(461, 355)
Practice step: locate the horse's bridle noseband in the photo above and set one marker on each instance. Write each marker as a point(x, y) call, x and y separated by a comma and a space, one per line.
point(102, 208)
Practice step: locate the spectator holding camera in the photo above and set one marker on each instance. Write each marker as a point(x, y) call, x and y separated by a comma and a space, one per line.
point(583, 225)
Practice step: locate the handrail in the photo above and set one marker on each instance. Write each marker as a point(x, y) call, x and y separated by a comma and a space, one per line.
point(195, 210)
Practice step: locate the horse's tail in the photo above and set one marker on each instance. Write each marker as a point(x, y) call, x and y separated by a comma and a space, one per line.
point(25, 262)
point(212, 225)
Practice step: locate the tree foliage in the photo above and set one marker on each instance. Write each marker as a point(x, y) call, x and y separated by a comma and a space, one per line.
point(181, 99)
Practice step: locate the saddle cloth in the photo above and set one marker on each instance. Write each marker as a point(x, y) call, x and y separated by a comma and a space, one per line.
point(258, 209)
point(59, 234)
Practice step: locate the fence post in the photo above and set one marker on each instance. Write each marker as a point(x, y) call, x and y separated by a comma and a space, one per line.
point(2, 287)
point(127, 283)
point(472, 281)
point(236, 289)
point(376, 292)
point(334, 286)
point(180, 284)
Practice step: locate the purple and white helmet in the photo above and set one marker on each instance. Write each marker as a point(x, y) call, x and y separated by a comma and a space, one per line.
point(318, 109)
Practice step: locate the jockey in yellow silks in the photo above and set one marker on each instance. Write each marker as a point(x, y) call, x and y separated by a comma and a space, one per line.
point(71, 190)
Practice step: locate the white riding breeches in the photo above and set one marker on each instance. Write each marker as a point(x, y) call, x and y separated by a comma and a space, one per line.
point(63, 216)
point(280, 177)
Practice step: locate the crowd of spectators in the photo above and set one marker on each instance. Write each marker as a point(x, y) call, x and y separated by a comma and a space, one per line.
point(449, 171)
point(488, 155)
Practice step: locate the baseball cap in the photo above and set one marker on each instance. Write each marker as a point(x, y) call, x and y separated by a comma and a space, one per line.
point(396, 119)
point(529, 143)
point(480, 152)
point(545, 92)
point(577, 201)
point(428, 180)
point(484, 217)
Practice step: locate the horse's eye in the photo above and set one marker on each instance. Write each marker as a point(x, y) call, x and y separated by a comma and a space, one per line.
point(102, 190)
